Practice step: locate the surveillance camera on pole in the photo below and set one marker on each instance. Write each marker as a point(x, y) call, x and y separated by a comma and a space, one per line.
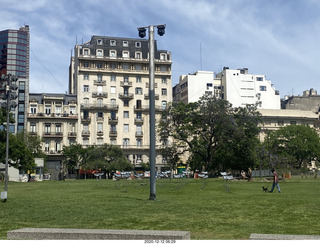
point(152, 158)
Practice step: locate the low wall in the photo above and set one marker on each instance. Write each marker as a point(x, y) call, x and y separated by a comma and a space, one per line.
point(94, 234)
point(283, 237)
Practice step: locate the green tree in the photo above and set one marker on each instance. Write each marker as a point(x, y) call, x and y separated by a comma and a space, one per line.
point(20, 156)
point(108, 158)
point(211, 129)
point(295, 145)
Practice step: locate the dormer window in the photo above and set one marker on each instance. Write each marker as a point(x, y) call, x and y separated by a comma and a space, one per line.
point(113, 42)
point(163, 56)
point(99, 42)
point(86, 51)
point(125, 43)
point(138, 44)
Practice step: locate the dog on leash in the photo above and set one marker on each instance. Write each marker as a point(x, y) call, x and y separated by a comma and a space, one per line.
point(265, 189)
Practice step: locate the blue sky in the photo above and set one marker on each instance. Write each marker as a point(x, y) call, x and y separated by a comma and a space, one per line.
point(277, 38)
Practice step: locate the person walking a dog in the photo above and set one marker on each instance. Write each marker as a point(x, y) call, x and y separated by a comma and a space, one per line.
point(275, 181)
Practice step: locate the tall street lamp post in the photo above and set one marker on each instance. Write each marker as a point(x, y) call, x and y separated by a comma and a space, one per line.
point(152, 151)
point(8, 94)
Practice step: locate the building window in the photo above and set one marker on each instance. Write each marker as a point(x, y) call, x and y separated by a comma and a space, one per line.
point(164, 105)
point(164, 91)
point(138, 91)
point(99, 42)
point(280, 122)
point(100, 127)
point(126, 142)
point(263, 88)
point(33, 109)
point(125, 43)
point(85, 77)
point(58, 128)
point(113, 43)
point(138, 55)
point(138, 44)
point(163, 80)
point(138, 79)
point(86, 51)
point(163, 56)
point(209, 85)
point(113, 78)
point(47, 128)
point(126, 103)
point(33, 128)
point(139, 142)
point(99, 53)
point(125, 66)
point(126, 114)
point(113, 141)
point(48, 109)
point(99, 65)
point(113, 90)
point(259, 78)
point(86, 64)
point(100, 115)
point(85, 88)
point(113, 54)
point(126, 128)
point(125, 54)
point(58, 110)
point(72, 110)
point(163, 68)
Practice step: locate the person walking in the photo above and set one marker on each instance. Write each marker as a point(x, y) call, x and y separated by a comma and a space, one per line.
point(275, 181)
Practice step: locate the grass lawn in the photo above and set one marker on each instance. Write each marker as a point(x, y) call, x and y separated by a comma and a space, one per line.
point(207, 208)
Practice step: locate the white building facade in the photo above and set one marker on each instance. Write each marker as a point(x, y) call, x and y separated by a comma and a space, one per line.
point(237, 86)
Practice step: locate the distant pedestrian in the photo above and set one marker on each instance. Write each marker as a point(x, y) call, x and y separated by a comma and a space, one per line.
point(249, 174)
point(275, 181)
point(243, 175)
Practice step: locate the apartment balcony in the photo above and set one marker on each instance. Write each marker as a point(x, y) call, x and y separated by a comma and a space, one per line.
point(100, 94)
point(146, 96)
point(138, 121)
point(126, 96)
point(100, 133)
point(85, 119)
point(125, 83)
point(72, 134)
point(113, 107)
point(95, 106)
point(52, 116)
point(113, 133)
point(52, 134)
point(113, 120)
point(155, 85)
point(85, 133)
point(100, 82)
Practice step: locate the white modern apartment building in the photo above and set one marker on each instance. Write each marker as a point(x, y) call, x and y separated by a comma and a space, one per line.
point(242, 88)
point(237, 86)
point(193, 86)
point(110, 76)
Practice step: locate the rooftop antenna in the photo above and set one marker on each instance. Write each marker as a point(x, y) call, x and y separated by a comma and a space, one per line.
point(200, 56)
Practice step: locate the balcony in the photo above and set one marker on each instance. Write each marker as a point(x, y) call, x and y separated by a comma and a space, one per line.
point(125, 83)
point(72, 134)
point(85, 133)
point(52, 134)
point(139, 134)
point(85, 119)
point(100, 94)
point(52, 116)
point(100, 82)
point(113, 120)
point(138, 120)
point(100, 133)
point(126, 96)
point(113, 133)
point(146, 96)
